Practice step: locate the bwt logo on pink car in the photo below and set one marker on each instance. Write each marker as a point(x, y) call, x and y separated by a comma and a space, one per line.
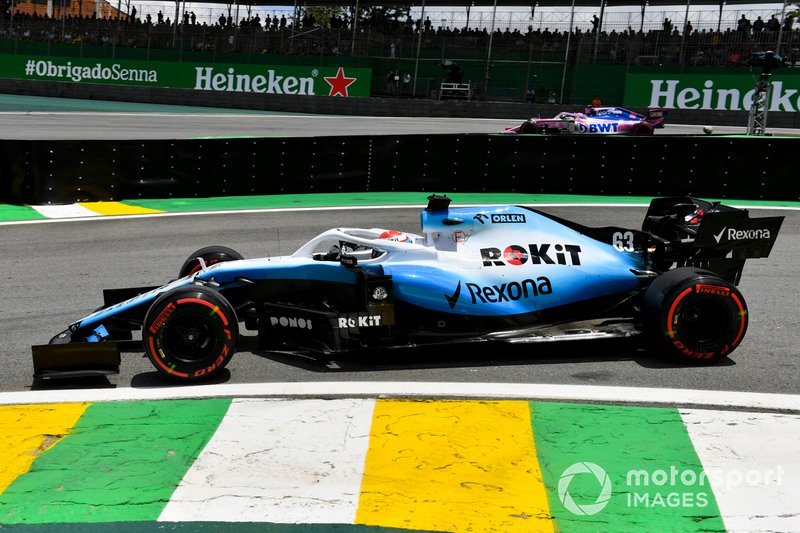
point(610, 127)
point(516, 255)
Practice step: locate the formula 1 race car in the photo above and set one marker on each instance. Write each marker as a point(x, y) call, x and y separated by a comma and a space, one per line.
point(502, 273)
point(596, 120)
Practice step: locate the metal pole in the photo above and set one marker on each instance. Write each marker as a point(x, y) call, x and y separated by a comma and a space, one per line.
point(175, 22)
point(641, 25)
point(468, 8)
point(116, 31)
point(485, 88)
point(355, 23)
point(63, 18)
point(530, 57)
point(11, 20)
point(419, 46)
point(599, 29)
point(683, 33)
point(719, 20)
point(780, 31)
point(566, 52)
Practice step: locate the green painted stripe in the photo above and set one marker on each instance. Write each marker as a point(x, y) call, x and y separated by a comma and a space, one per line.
point(620, 440)
point(399, 198)
point(122, 462)
point(287, 201)
point(43, 104)
point(18, 212)
point(201, 527)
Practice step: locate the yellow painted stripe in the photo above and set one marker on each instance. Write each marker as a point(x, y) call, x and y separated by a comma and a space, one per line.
point(27, 431)
point(117, 208)
point(453, 466)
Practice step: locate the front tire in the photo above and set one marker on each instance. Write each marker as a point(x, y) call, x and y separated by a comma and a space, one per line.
point(190, 333)
point(210, 255)
point(696, 315)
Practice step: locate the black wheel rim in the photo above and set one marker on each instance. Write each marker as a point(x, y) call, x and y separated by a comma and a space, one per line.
point(704, 321)
point(190, 338)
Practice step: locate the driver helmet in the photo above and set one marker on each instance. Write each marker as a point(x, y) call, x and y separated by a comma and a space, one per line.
point(394, 235)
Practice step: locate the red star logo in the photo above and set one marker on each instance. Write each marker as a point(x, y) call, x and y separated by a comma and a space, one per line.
point(340, 83)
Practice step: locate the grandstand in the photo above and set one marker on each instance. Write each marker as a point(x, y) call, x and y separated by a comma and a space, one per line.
point(521, 52)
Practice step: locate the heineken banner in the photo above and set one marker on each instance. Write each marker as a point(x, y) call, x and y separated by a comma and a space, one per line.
point(719, 92)
point(252, 78)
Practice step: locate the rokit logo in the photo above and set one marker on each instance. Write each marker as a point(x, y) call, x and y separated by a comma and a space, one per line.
point(358, 320)
point(290, 322)
point(537, 254)
point(733, 234)
point(506, 292)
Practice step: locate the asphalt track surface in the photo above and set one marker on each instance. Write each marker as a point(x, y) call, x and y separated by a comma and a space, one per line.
point(54, 273)
point(50, 119)
point(171, 125)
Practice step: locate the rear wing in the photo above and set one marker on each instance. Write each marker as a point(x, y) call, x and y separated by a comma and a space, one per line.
point(656, 116)
point(710, 235)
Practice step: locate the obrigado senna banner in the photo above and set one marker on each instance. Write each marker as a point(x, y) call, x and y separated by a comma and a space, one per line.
point(718, 92)
point(246, 78)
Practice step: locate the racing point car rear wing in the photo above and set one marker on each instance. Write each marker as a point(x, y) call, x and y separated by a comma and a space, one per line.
point(710, 235)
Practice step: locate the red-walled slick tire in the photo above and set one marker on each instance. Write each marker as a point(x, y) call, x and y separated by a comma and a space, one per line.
point(190, 333)
point(696, 315)
point(211, 255)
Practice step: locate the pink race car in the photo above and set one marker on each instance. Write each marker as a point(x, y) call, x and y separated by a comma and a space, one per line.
point(599, 120)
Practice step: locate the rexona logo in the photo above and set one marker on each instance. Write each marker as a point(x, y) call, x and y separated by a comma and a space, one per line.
point(734, 234)
point(290, 322)
point(506, 292)
point(611, 127)
point(508, 219)
point(537, 254)
point(358, 320)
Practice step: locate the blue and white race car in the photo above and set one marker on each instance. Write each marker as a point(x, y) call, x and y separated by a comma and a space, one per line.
point(503, 273)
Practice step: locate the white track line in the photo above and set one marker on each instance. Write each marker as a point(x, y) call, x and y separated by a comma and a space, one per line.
point(391, 389)
point(753, 466)
point(69, 211)
point(280, 462)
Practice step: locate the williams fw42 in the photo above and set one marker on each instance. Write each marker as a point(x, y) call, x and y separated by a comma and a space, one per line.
point(596, 121)
point(495, 273)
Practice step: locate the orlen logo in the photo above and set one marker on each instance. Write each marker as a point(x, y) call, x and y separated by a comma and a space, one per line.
point(290, 322)
point(513, 218)
point(537, 254)
point(743, 234)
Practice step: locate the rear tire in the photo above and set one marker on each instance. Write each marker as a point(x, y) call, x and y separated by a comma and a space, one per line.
point(695, 315)
point(190, 333)
point(643, 129)
point(529, 128)
point(211, 255)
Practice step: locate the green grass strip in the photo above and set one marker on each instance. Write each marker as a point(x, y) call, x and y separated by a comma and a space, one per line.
point(122, 462)
point(18, 212)
point(19, 103)
point(398, 198)
point(652, 467)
